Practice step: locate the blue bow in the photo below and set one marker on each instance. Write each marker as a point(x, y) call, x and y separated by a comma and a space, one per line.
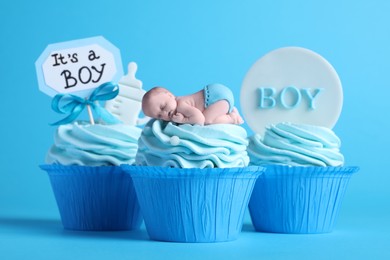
point(74, 105)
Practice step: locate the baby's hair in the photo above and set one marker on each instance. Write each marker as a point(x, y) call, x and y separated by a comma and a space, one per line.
point(152, 91)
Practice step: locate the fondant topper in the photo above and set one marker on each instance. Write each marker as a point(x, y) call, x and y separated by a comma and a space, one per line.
point(291, 84)
point(127, 105)
point(212, 105)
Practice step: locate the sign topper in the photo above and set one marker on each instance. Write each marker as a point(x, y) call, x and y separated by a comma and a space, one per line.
point(78, 67)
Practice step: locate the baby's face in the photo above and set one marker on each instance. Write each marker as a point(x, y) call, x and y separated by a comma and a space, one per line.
point(162, 106)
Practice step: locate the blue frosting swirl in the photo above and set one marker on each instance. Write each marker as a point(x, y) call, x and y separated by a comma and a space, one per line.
point(192, 146)
point(80, 143)
point(293, 144)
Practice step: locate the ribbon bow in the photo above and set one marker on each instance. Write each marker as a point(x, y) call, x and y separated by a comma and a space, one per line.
point(73, 105)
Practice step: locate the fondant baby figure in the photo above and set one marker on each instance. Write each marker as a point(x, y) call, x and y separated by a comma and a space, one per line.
point(212, 105)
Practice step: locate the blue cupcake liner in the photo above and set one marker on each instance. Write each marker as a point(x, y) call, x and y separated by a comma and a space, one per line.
point(298, 199)
point(193, 205)
point(94, 198)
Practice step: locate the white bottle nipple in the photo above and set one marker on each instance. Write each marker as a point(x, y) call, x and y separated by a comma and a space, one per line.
point(129, 79)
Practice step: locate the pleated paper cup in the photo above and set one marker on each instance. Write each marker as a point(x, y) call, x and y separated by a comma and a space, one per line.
point(300, 200)
point(94, 198)
point(193, 205)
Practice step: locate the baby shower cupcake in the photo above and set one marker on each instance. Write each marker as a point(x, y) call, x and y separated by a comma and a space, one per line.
point(192, 180)
point(291, 98)
point(304, 183)
point(85, 77)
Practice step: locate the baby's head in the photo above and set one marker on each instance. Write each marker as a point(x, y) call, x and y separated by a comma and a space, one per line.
point(159, 103)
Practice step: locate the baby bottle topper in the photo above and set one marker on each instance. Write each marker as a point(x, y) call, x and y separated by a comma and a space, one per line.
point(78, 74)
point(291, 84)
point(127, 105)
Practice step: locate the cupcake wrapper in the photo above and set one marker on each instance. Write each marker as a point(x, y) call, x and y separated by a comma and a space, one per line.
point(94, 198)
point(193, 205)
point(298, 199)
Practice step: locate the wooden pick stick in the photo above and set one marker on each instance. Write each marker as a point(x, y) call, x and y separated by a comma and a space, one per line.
point(91, 120)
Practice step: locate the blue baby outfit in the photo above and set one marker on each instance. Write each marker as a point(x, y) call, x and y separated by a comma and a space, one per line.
point(216, 92)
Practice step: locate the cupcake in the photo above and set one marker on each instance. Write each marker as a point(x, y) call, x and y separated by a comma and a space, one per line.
point(192, 181)
point(91, 190)
point(291, 99)
point(304, 183)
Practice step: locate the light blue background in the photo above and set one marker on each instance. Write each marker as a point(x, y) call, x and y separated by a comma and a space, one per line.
point(184, 45)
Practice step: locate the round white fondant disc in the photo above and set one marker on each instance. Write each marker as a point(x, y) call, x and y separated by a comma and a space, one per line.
point(291, 84)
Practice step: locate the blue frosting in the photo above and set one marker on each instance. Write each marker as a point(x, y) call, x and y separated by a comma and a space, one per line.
point(192, 146)
point(293, 144)
point(94, 145)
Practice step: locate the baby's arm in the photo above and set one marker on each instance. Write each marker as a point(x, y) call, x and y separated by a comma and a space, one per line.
point(188, 114)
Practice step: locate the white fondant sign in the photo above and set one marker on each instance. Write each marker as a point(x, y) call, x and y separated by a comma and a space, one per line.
point(78, 66)
point(294, 85)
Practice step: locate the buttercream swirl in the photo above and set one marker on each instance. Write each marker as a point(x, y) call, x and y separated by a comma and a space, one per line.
point(80, 143)
point(192, 146)
point(296, 144)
